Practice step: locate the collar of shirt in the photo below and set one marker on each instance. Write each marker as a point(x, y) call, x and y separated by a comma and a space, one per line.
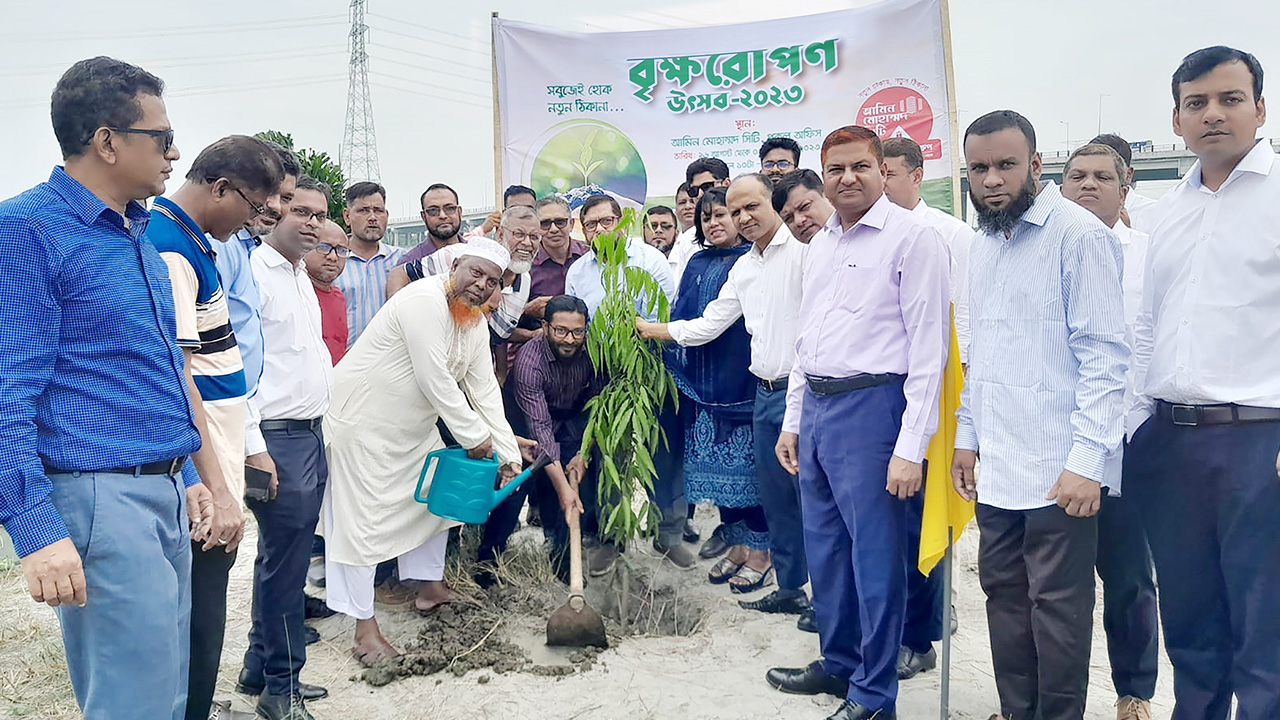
point(780, 238)
point(873, 217)
point(89, 207)
point(577, 249)
point(247, 239)
point(273, 258)
point(384, 250)
point(1038, 213)
point(1259, 161)
point(177, 213)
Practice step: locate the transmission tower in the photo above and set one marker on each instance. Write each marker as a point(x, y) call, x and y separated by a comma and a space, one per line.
point(359, 153)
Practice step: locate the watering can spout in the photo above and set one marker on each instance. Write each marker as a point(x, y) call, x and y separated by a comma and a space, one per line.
point(507, 490)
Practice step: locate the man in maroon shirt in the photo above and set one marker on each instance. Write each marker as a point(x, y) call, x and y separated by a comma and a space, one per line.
point(324, 264)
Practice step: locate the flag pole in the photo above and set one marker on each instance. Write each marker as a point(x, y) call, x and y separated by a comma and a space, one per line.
point(946, 627)
point(497, 113)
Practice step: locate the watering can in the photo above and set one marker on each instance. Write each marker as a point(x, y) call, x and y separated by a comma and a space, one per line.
point(464, 488)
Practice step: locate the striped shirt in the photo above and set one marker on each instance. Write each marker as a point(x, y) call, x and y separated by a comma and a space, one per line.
point(1045, 389)
point(551, 390)
point(364, 284)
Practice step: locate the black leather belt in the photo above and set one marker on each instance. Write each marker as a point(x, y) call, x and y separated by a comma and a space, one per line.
point(1193, 415)
point(836, 386)
point(159, 467)
point(773, 385)
point(290, 425)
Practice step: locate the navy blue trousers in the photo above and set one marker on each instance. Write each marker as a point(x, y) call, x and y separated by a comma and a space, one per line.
point(926, 604)
point(668, 486)
point(779, 494)
point(1210, 502)
point(277, 639)
point(855, 536)
point(1128, 596)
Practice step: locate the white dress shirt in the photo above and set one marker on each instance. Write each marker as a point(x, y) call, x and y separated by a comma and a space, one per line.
point(297, 371)
point(764, 289)
point(585, 281)
point(959, 238)
point(1142, 211)
point(1209, 327)
point(1045, 390)
point(685, 247)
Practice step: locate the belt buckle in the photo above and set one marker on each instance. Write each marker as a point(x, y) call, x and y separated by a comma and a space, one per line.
point(175, 466)
point(1184, 415)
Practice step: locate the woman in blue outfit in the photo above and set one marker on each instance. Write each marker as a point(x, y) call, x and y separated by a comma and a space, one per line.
point(717, 395)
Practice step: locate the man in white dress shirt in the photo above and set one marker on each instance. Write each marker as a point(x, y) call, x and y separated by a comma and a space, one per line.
point(424, 358)
point(1205, 426)
point(764, 289)
point(1094, 178)
point(1043, 404)
point(293, 395)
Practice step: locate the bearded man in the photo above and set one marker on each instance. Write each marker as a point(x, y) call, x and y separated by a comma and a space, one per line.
point(425, 357)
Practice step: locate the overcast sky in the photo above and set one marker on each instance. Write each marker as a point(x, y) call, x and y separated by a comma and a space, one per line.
point(236, 66)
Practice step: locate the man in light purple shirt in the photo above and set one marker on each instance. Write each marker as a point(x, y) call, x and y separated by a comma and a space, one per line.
point(862, 404)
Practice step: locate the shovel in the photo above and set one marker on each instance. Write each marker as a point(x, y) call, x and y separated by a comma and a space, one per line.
point(576, 624)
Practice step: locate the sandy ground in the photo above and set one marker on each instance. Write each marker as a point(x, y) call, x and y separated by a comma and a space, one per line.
point(716, 673)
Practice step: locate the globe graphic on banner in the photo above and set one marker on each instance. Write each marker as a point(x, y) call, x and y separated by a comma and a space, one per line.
point(586, 157)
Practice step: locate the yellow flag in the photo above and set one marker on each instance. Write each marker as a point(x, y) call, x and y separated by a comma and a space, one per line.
point(943, 508)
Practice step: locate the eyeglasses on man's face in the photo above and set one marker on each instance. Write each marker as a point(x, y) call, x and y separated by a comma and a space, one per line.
point(783, 165)
point(561, 223)
point(435, 211)
point(604, 223)
point(521, 235)
point(255, 207)
point(306, 215)
point(697, 190)
point(661, 226)
point(342, 251)
point(564, 333)
point(163, 138)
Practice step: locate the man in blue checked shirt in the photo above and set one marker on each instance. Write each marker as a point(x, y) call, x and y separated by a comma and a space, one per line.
point(95, 420)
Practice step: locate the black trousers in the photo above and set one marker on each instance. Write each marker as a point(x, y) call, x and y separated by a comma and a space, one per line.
point(1128, 596)
point(209, 573)
point(277, 639)
point(1210, 501)
point(502, 521)
point(779, 494)
point(1036, 568)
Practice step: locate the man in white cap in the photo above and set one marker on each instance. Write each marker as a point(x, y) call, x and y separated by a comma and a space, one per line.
point(424, 357)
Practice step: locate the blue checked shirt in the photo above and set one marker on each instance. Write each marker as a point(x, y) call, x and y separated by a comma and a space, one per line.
point(364, 284)
point(90, 371)
point(1047, 358)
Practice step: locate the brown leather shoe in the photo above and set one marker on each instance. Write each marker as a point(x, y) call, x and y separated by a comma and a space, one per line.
point(1132, 708)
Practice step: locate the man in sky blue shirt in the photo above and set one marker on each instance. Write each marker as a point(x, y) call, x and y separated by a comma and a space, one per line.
point(95, 420)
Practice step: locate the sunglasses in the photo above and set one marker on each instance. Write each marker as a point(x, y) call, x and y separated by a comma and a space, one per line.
point(561, 223)
point(163, 138)
point(697, 190)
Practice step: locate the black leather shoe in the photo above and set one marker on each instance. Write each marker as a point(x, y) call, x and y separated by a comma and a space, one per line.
point(955, 620)
point(691, 534)
point(715, 546)
point(776, 602)
point(313, 635)
point(912, 663)
point(851, 710)
point(316, 609)
point(250, 685)
point(810, 680)
point(282, 707)
point(808, 622)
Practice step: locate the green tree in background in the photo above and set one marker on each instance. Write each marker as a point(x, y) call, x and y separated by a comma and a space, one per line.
point(318, 165)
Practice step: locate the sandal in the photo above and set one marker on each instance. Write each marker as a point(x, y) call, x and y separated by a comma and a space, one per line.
point(751, 578)
point(723, 570)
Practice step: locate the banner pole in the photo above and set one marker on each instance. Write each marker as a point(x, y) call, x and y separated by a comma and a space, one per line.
point(497, 112)
point(946, 626)
point(953, 117)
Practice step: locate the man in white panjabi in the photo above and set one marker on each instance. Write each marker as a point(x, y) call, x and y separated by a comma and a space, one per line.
point(424, 357)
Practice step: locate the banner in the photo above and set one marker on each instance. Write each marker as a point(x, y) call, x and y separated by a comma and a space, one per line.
point(625, 113)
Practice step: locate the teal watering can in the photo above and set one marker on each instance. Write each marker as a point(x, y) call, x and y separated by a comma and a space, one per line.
point(465, 489)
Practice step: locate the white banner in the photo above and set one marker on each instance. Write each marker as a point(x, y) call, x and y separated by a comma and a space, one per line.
point(627, 112)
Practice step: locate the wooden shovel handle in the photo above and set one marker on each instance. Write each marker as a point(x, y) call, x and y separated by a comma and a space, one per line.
point(575, 553)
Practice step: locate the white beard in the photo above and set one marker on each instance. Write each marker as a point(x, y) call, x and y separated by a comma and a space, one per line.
point(520, 267)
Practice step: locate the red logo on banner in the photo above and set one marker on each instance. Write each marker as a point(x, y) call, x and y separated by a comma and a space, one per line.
point(901, 112)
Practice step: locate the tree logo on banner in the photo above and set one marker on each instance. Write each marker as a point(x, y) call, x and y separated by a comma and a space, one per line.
point(900, 110)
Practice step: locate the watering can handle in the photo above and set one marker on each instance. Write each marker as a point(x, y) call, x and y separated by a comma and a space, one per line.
point(506, 491)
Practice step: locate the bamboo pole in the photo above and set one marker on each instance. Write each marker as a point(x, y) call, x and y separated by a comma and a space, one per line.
point(497, 113)
point(953, 117)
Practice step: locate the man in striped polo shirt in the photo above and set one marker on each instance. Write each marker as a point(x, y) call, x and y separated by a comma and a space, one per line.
point(227, 185)
point(364, 281)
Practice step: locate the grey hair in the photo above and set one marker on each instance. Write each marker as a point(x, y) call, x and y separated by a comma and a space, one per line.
point(518, 212)
point(552, 200)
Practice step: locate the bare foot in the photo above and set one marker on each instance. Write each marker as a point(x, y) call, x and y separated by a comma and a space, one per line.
point(370, 646)
point(432, 594)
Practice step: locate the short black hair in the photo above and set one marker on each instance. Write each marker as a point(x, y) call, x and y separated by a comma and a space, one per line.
point(800, 178)
point(306, 182)
point(997, 120)
point(907, 149)
point(785, 143)
point(595, 200)
point(660, 210)
point(94, 93)
point(684, 188)
point(513, 190)
point(1117, 143)
point(564, 303)
point(717, 167)
point(437, 186)
point(247, 162)
point(710, 198)
point(1203, 61)
point(288, 160)
point(364, 190)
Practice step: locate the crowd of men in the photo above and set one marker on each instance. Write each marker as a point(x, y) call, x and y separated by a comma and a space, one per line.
point(233, 347)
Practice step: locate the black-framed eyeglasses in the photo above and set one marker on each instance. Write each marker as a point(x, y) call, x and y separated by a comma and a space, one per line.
point(777, 165)
point(561, 223)
point(341, 251)
point(304, 214)
point(658, 226)
point(604, 223)
point(434, 211)
point(562, 333)
point(163, 138)
point(257, 209)
point(697, 190)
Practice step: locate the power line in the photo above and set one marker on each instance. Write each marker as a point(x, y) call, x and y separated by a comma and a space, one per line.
point(358, 155)
point(487, 82)
point(424, 84)
point(202, 89)
point(481, 71)
point(429, 95)
point(269, 25)
point(187, 61)
point(432, 30)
